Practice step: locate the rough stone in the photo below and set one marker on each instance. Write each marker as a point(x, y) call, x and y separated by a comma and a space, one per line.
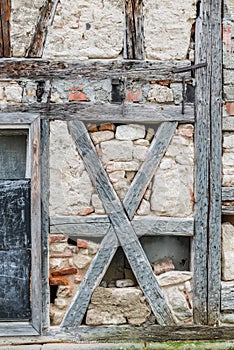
point(60, 303)
point(126, 166)
point(139, 152)
point(160, 94)
point(227, 251)
point(142, 142)
point(170, 22)
point(122, 305)
point(228, 141)
point(149, 134)
point(116, 150)
point(130, 132)
point(174, 278)
point(107, 126)
point(13, 93)
point(163, 266)
point(101, 136)
point(81, 261)
point(97, 204)
point(115, 176)
point(124, 283)
point(144, 208)
point(96, 29)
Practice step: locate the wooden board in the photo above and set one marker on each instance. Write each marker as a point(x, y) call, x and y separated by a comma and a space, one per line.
point(15, 271)
point(5, 11)
point(15, 207)
point(97, 226)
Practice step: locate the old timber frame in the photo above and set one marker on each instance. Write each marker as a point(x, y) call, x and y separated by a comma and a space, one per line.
point(120, 225)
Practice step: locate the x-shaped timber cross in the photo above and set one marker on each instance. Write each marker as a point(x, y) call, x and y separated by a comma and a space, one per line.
point(121, 232)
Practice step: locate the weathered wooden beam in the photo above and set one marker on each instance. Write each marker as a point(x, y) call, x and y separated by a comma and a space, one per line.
point(214, 256)
point(17, 329)
point(134, 31)
point(153, 157)
point(88, 112)
point(122, 228)
point(202, 149)
point(143, 226)
point(227, 296)
point(45, 19)
point(19, 69)
point(45, 137)
point(5, 11)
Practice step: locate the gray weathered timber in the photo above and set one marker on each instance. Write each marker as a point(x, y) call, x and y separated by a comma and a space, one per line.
point(227, 296)
point(17, 117)
point(88, 112)
point(97, 226)
point(214, 256)
point(45, 130)
point(134, 31)
point(17, 329)
point(121, 225)
point(92, 279)
point(153, 157)
point(228, 194)
point(36, 225)
point(45, 19)
point(202, 135)
point(92, 69)
point(145, 333)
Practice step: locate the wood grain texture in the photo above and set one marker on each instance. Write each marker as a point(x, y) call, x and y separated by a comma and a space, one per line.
point(121, 226)
point(88, 112)
point(202, 148)
point(92, 69)
point(44, 144)
point(36, 225)
point(152, 160)
point(214, 257)
point(134, 31)
point(17, 329)
point(97, 226)
point(45, 19)
point(17, 118)
point(5, 11)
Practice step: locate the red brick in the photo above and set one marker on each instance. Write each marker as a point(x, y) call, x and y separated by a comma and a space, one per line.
point(61, 255)
point(82, 244)
point(227, 37)
point(230, 108)
point(133, 96)
point(107, 126)
point(56, 281)
point(66, 271)
point(85, 211)
point(77, 96)
point(57, 238)
point(164, 83)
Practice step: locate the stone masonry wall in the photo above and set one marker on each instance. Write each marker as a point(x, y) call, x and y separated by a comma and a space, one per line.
point(228, 152)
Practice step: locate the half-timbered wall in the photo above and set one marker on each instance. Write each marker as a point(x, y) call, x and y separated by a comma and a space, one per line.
point(130, 176)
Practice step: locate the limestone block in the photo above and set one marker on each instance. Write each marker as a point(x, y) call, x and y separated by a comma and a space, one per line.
point(150, 134)
point(228, 76)
point(228, 159)
point(58, 247)
point(56, 315)
point(29, 93)
point(174, 278)
point(228, 141)
point(60, 303)
point(229, 92)
point(58, 263)
point(124, 283)
point(13, 93)
point(70, 186)
point(97, 204)
point(131, 166)
point(101, 136)
point(171, 192)
point(163, 266)
point(81, 261)
point(116, 150)
point(144, 208)
point(1, 93)
point(115, 176)
point(177, 90)
point(121, 187)
point(142, 142)
point(24, 14)
point(228, 180)
point(227, 251)
point(139, 152)
point(130, 132)
point(160, 94)
point(167, 27)
point(90, 30)
point(122, 305)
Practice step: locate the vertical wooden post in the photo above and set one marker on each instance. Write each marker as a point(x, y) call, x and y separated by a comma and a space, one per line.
point(134, 32)
point(5, 11)
point(207, 237)
point(214, 252)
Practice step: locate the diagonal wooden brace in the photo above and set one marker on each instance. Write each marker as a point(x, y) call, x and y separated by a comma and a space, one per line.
point(121, 226)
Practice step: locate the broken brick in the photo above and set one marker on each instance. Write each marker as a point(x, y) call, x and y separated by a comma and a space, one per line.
point(66, 271)
point(82, 244)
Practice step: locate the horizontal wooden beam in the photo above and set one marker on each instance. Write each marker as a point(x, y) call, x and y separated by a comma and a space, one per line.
point(88, 112)
point(149, 333)
point(19, 329)
point(97, 226)
point(130, 69)
point(227, 296)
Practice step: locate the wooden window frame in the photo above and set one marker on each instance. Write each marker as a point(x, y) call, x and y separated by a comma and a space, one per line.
point(32, 124)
